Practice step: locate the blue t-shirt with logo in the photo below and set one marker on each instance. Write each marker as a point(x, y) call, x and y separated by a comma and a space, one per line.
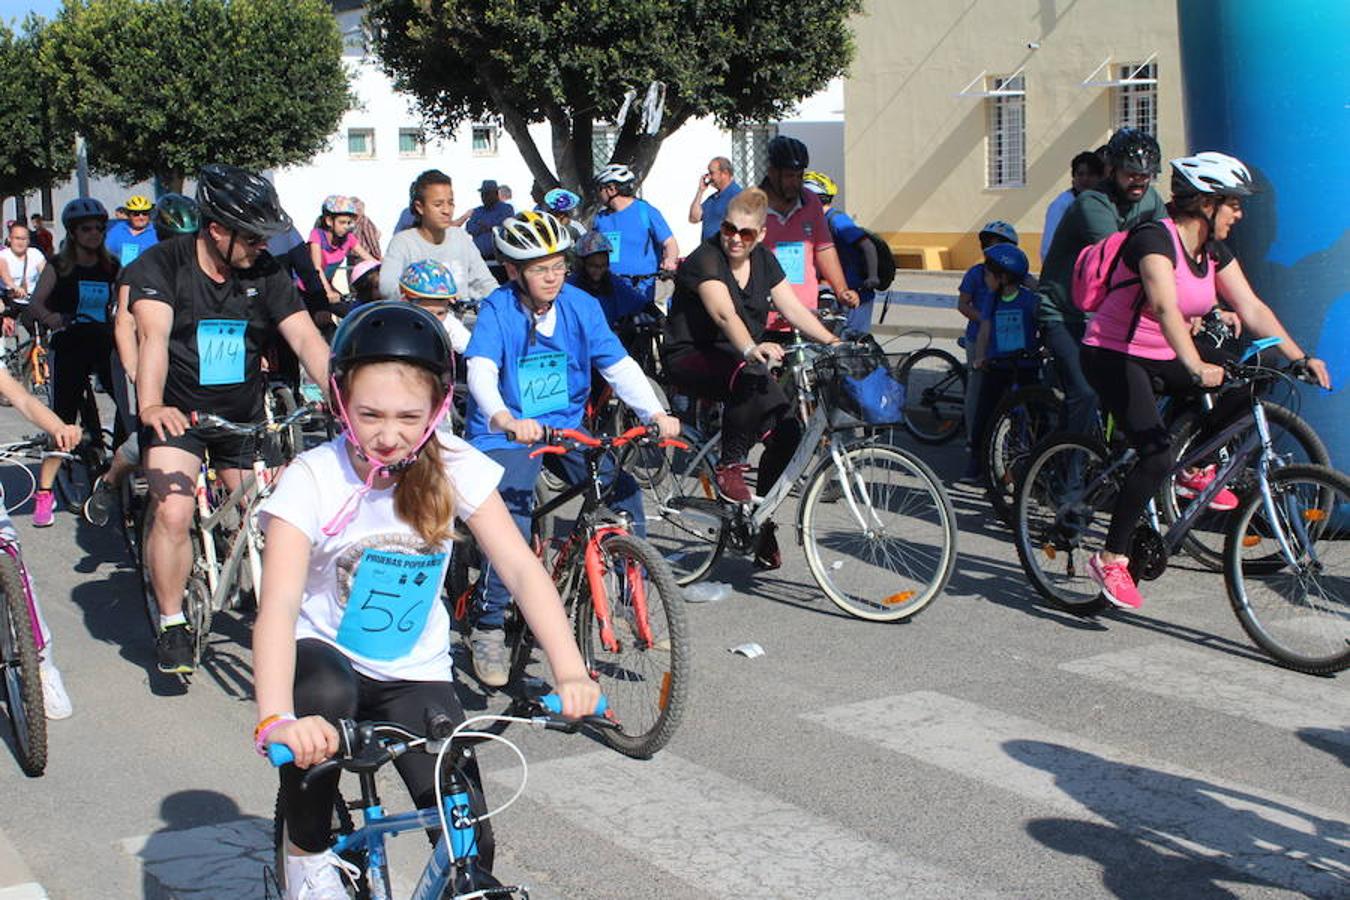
point(636, 234)
point(972, 283)
point(542, 377)
point(126, 247)
point(1013, 323)
point(715, 209)
point(846, 234)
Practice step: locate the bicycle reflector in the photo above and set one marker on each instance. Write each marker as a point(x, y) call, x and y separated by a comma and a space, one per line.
point(897, 599)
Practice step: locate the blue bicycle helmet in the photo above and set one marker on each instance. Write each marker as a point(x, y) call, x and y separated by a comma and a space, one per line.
point(428, 278)
point(561, 200)
point(1007, 258)
point(1000, 229)
point(82, 208)
point(593, 242)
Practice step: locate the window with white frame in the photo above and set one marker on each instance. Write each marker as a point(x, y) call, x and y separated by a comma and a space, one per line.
point(1007, 141)
point(750, 152)
point(1137, 96)
point(361, 143)
point(410, 143)
point(484, 138)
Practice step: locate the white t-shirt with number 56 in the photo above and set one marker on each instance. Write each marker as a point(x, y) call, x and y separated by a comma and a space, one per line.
point(374, 590)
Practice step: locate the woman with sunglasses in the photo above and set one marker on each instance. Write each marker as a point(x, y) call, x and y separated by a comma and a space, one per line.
point(72, 301)
point(714, 349)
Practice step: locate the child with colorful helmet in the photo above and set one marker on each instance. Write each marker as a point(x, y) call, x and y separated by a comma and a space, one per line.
point(333, 239)
point(430, 284)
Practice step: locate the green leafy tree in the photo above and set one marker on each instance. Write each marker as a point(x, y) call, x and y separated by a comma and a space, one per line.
point(37, 150)
point(162, 87)
point(571, 63)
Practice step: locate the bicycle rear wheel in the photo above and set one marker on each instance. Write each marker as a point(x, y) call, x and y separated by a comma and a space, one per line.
point(882, 543)
point(645, 674)
point(23, 680)
point(1021, 421)
point(1298, 612)
point(292, 438)
point(1060, 519)
point(1293, 439)
point(935, 395)
point(684, 514)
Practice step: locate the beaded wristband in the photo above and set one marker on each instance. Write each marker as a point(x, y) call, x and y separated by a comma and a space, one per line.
point(265, 728)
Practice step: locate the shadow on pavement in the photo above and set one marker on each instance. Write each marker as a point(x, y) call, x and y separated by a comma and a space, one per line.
point(1169, 835)
point(1328, 740)
point(207, 849)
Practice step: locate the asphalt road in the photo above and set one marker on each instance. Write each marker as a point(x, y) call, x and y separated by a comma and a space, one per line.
point(989, 747)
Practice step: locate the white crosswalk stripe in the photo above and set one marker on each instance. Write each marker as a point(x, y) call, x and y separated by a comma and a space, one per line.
point(1272, 696)
point(1258, 834)
point(726, 838)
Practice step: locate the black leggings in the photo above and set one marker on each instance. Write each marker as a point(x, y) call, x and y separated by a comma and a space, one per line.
point(327, 685)
point(76, 353)
point(1127, 387)
point(754, 408)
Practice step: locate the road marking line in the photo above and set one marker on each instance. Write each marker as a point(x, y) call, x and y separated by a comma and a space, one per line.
point(1275, 697)
point(1257, 833)
point(724, 837)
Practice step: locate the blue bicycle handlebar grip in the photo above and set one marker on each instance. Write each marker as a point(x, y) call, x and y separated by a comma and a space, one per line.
point(279, 754)
point(553, 703)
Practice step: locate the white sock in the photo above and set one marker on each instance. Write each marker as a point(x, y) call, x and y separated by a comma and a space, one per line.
point(170, 621)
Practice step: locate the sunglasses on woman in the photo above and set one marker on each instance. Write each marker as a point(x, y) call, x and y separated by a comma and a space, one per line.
point(747, 235)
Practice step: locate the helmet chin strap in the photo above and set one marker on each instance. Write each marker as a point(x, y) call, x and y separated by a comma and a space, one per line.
point(378, 468)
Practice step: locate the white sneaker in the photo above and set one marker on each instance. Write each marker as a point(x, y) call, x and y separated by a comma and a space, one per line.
point(318, 877)
point(54, 697)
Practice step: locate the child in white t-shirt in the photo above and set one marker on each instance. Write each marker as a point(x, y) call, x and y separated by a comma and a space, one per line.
point(359, 535)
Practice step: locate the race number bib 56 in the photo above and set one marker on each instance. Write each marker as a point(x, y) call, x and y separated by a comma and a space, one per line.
point(390, 597)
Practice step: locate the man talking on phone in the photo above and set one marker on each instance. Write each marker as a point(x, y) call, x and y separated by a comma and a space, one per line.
point(713, 209)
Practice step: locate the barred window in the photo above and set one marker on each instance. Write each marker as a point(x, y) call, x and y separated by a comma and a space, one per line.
point(1007, 142)
point(1137, 99)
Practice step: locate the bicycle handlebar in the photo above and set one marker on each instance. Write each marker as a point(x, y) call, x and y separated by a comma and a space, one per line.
point(213, 422)
point(544, 712)
point(559, 441)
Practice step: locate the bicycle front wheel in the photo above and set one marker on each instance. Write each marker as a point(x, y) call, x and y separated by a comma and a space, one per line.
point(1288, 574)
point(1026, 417)
point(684, 514)
point(1060, 519)
point(935, 395)
point(23, 681)
point(643, 665)
point(341, 825)
point(879, 532)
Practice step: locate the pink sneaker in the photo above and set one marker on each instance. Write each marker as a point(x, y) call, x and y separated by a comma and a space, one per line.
point(43, 505)
point(1116, 582)
point(1190, 486)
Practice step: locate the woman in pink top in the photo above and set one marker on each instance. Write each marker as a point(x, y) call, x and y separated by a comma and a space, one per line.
point(333, 238)
point(1143, 333)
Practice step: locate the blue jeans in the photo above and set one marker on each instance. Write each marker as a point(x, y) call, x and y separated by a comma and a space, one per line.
point(1065, 340)
point(517, 490)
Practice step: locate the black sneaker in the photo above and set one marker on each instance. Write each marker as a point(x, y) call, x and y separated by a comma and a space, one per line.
point(174, 649)
point(98, 508)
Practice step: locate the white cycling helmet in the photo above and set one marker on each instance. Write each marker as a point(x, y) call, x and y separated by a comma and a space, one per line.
point(531, 235)
point(615, 173)
point(1211, 173)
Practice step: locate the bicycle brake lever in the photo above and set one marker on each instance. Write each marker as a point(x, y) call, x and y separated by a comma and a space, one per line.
point(673, 442)
point(552, 448)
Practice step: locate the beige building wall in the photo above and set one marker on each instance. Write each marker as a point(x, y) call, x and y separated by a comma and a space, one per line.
point(915, 151)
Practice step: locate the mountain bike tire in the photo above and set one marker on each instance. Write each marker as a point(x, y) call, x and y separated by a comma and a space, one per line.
point(1023, 419)
point(22, 675)
point(935, 395)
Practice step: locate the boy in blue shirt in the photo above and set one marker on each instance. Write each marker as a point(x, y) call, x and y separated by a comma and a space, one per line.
point(857, 255)
point(970, 298)
point(1006, 344)
point(640, 240)
point(529, 367)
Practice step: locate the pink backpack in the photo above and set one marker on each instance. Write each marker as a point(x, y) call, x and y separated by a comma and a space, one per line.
point(1094, 274)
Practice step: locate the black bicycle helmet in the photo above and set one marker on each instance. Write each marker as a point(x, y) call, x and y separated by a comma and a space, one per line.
point(176, 214)
point(391, 331)
point(788, 153)
point(240, 200)
point(82, 208)
point(1132, 150)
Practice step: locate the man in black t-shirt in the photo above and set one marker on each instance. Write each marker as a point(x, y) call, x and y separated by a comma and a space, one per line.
point(205, 306)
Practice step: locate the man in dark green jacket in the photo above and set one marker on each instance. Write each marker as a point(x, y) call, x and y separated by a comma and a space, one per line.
point(1124, 198)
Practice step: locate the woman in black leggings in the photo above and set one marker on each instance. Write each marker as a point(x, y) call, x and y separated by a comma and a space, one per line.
point(73, 300)
point(1171, 272)
point(714, 348)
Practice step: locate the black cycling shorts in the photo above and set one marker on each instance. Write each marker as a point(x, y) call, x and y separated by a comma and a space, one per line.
point(228, 451)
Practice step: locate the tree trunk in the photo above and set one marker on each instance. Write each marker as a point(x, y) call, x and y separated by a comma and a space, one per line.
point(47, 203)
point(21, 208)
point(171, 182)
